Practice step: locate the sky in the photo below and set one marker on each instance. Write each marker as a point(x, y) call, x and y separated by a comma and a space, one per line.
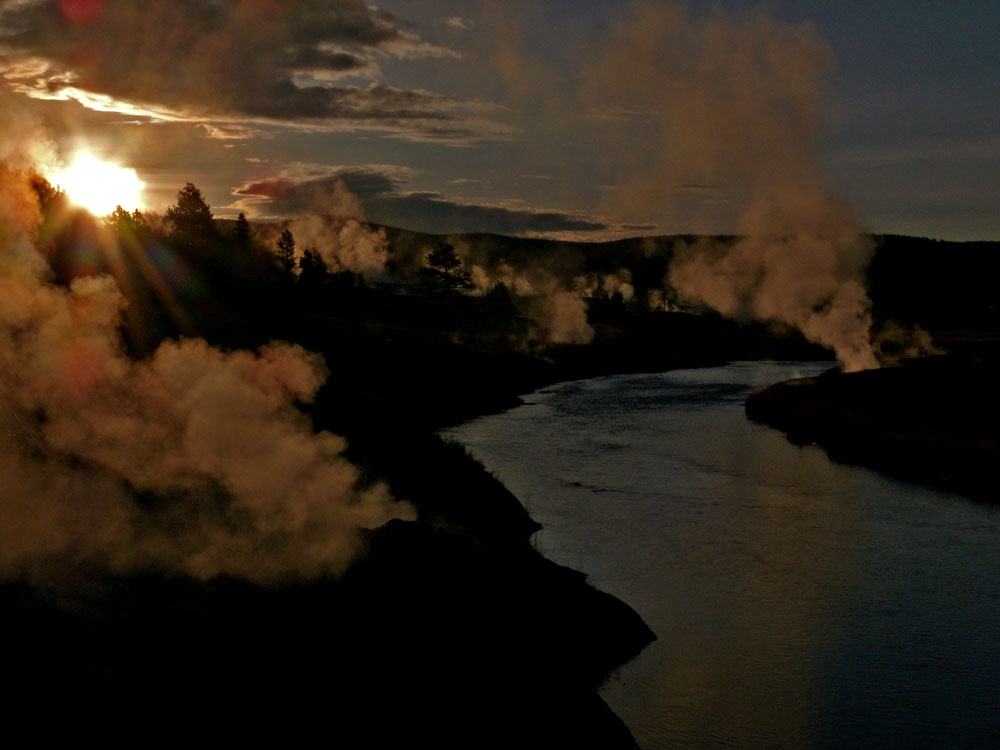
point(587, 119)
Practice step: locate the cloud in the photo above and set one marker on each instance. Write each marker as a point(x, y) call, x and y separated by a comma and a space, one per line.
point(238, 61)
point(222, 132)
point(432, 212)
point(379, 190)
point(462, 24)
point(305, 189)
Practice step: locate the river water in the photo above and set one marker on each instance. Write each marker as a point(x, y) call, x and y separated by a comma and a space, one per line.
point(798, 602)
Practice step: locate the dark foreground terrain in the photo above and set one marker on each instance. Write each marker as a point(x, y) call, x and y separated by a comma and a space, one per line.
point(451, 629)
point(931, 420)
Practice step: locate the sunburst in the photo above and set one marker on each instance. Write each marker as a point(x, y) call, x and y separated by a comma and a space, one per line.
point(99, 185)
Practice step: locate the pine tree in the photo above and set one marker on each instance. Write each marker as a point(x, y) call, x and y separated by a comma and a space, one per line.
point(128, 225)
point(286, 251)
point(313, 272)
point(241, 231)
point(444, 270)
point(191, 219)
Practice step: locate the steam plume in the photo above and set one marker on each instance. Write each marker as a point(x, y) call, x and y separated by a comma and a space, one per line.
point(560, 312)
point(737, 104)
point(608, 284)
point(565, 318)
point(335, 228)
point(194, 460)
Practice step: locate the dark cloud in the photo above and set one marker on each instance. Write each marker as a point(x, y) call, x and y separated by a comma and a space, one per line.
point(392, 19)
point(381, 198)
point(431, 212)
point(288, 196)
point(315, 58)
point(231, 61)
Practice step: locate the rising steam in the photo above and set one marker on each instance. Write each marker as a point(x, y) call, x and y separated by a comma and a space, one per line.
point(194, 460)
point(334, 226)
point(556, 305)
point(809, 278)
point(565, 318)
point(737, 104)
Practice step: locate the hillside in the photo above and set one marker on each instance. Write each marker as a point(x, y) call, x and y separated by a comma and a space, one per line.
point(945, 287)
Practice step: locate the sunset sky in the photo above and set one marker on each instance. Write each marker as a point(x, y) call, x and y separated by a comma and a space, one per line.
point(563, 118)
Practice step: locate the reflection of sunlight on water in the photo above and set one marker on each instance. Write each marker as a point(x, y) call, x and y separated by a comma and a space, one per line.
point(722, 627)
point(783, 588)
point(737, 617)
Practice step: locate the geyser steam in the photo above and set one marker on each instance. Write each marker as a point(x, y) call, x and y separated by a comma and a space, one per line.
point(736, 103)
point(334, 226)
point(194, 460)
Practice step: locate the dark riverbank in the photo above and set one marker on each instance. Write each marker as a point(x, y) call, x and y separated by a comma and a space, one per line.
point(451, 628)
point(431, 363)
point(932, 420)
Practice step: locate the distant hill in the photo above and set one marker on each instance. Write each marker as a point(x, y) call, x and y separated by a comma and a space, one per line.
point(937, 284)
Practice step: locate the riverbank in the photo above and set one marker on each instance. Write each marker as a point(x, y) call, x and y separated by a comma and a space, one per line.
point(931, 420)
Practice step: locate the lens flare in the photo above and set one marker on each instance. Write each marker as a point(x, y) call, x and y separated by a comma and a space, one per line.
point(99, 186)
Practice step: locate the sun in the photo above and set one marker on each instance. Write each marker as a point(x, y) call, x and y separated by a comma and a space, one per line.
point(99, 186)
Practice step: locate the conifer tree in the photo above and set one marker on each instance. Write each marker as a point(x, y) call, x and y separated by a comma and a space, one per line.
point(313, 270)
point(241, 231)
point(444, 270)
point(286, 252)
point(191, 219)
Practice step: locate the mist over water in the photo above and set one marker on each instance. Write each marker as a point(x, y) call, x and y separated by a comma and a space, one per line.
point(798, 603)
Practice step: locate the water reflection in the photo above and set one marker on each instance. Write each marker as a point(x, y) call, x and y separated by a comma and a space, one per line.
point(797, 602)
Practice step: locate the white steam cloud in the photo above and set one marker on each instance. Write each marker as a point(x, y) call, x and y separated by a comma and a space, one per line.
point(339, 233)
point(606, 285)
point(810, 279)
point(344, 244)
point(736, 103)
point(560, 313)
point(194, 460)
point(565, 318)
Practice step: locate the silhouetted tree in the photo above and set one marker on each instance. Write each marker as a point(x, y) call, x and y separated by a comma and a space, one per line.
point(50, 198)
point(444, 270)
point(241, 231)
point(313, 273)
point(128, 225)
point(191, 219)
point(286, 251)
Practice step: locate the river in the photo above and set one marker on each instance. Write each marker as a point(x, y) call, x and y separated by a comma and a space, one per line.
point(797, 602)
